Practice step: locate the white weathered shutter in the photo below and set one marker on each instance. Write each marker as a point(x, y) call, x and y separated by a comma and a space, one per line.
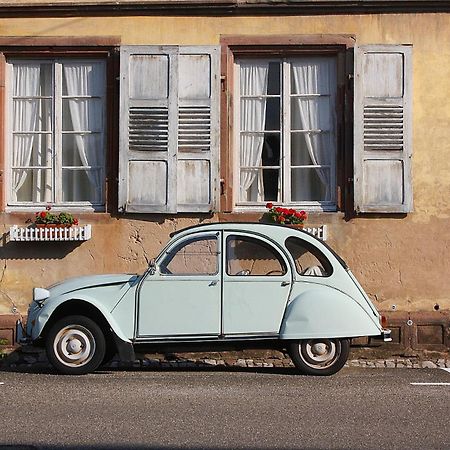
point(198, 128)
point(169, 124)
point(383, 119)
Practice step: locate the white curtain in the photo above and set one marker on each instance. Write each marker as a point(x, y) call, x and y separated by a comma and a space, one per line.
point(82, 80)
point(25, 115)
point(253, 82)
point(311, 76)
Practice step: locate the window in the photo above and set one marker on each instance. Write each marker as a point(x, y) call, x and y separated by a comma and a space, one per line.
point(196, 257)
point(286, 143)
point(56, 132)
point(248, 256)
point(308, 260)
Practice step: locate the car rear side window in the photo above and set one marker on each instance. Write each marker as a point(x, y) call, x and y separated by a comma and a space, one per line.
point(309, 261)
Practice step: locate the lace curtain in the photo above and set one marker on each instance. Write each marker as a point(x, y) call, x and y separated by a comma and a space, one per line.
point(312, 113)
point(253, 88)
point(84, 80)
point(25, 119)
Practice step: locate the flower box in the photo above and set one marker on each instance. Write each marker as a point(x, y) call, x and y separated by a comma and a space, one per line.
point(50, 233)
point(320, 232)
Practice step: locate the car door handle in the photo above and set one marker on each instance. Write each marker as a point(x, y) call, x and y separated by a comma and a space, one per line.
point(285, 283)
point(213, 283)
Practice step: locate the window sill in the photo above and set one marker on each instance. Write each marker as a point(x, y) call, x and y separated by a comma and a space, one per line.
point(33, 234)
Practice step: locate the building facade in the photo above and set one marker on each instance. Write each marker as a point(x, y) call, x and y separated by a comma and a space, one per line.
point(144, 117)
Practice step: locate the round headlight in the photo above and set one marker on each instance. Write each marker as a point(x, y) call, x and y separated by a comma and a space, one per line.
point(40, 294)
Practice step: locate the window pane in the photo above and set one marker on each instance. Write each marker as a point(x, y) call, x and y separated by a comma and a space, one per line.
point(310, 184)
point(32, 150)
point(313, 75)
point(80, 149)
point(32, 80)
point(199, 257)
point(32, 115)
point(252, 257)
point(311, 149)
point(263, 185)
point(82, 115)
point(32, 185)
point(82, 185)
point(273, 82)
point(311, 114)
point(252, 114)
point(308, 259)
point(272, 114)
point(83, 78)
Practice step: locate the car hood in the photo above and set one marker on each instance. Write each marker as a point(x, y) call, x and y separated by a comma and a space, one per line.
point(75, 284)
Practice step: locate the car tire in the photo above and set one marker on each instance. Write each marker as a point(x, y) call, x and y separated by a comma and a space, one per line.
point(319, 356)
point(75, 345)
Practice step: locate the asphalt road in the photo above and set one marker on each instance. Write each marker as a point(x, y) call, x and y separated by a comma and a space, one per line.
point(195, 409)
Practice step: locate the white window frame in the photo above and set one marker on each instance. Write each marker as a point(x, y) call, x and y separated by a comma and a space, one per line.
point(57, 134)
point(285, 141)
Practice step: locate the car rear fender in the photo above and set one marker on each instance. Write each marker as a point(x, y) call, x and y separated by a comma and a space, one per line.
point(323, 312)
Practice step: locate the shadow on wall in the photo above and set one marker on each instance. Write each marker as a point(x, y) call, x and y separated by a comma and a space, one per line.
point(23, 250)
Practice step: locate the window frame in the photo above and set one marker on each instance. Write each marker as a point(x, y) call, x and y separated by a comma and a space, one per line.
point(40, 48)
point(285, 132)
point(341, 46)
point(57, 133)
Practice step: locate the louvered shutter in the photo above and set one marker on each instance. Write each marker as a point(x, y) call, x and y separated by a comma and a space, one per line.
point(198, 128)
point(168, 129)
point(382, 119)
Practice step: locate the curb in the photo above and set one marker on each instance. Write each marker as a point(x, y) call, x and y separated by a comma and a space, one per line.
point(29, 358)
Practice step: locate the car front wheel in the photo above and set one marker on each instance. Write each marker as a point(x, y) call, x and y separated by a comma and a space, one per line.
point(75, 345)
point(319, 356)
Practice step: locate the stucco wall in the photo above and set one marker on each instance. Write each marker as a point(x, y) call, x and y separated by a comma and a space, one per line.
point(400, 261)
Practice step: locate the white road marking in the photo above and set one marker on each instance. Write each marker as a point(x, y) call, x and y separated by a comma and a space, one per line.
point(430, 384)
point(447, 370)
point(1, 382)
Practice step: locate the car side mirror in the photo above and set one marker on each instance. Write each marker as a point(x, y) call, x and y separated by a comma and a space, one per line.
point(152, 267)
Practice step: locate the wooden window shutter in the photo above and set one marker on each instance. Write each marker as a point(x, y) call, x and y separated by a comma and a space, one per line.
point(198, 128)
point(383, 120)
point(168, 126)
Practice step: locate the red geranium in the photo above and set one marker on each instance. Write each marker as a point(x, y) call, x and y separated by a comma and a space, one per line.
point(47, 217)
point(285, 215)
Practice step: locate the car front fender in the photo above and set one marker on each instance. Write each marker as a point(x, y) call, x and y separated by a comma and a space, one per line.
point(322, 312)
point(48, 311)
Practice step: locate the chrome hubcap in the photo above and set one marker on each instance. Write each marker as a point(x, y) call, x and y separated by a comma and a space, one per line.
point(74, 345)
point(320, 353)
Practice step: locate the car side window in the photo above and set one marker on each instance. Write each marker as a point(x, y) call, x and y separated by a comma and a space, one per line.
point(249, 256)
point(195, 257)
point(309, 260)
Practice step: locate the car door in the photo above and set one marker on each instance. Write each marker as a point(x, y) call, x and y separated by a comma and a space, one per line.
point(183, 297)
point(257, 280)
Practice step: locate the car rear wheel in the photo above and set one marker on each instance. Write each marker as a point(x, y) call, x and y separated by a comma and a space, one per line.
point(319, 356)
point(75, 345)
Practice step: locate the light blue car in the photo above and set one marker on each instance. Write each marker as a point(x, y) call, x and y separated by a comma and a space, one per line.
point(215, 286)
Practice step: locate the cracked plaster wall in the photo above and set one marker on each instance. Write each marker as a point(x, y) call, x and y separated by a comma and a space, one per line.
point(397, 262)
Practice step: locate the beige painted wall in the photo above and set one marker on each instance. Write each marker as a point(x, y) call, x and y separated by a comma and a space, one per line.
point(402, 262)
